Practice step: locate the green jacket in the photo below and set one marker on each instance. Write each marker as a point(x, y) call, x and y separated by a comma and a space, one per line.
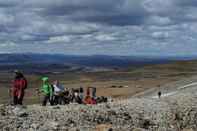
point(47, 89)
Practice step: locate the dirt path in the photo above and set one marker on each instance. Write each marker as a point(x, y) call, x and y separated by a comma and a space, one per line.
point(181, 88)
point(170, 88)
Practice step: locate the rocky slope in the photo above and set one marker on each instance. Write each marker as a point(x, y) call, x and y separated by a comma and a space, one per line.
point(173, 113)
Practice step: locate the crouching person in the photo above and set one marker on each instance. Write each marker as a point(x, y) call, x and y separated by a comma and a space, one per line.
point(47, 91)
point(66, 96)
point(58, 93)
point(77, 98)
point(88, 99)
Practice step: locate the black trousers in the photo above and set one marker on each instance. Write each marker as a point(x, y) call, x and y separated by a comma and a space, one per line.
point(56, 99)
point(18, 101)
point(59, 100)
point(46, 99)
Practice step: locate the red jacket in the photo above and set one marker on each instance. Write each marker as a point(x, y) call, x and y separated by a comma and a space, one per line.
point(89, 100)
point(19, 86)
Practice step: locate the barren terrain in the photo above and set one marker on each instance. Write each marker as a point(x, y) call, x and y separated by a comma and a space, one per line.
point(118, 84)
point(135, 106)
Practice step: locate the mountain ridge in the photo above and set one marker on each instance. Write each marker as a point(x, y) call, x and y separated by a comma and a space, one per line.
point(30, 62)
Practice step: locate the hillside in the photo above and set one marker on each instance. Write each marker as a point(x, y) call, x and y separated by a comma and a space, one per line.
point(176, 66)
point(174, 113)
point(117, 83)
point(172, 69)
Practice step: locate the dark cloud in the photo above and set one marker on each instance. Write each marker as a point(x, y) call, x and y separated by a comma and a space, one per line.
point(186, 3)
point(9, 3)
point(119, 20)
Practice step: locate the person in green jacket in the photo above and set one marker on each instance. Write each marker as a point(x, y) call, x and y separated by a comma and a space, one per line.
point(47, 91)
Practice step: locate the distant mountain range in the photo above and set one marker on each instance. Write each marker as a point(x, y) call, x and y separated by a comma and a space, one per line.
point(58, 62)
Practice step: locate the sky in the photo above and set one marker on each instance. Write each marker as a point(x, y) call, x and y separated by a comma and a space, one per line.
point(88, 27)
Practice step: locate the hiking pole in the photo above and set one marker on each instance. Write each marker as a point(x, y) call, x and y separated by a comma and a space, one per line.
point(38, 94)
point(10, 96)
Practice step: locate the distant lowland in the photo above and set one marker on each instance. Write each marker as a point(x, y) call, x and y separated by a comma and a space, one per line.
point(57, 63)
point(113, 76)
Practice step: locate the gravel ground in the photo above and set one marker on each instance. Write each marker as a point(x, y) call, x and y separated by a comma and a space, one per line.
point(174, 113)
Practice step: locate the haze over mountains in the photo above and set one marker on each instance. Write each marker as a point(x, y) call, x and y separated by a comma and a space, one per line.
point(57, 62)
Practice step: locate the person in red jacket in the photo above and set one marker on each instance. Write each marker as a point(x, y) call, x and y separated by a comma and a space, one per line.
point(18, 88)
point(88, 99)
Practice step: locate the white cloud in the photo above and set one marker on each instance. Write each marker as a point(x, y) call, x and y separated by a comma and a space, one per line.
point(158, 20)
point(160, 35)
point(7, 44)
point(59, 39)
point(159, 6)
point(6, 19)
point(105, 37)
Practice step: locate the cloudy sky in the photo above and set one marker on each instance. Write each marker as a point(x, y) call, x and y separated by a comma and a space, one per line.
point(113, 27)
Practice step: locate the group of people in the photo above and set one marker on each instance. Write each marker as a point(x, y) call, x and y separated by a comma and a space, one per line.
point(54, 93)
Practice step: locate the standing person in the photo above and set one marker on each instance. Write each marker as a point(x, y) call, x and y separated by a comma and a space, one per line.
point(18, 89)
point(159, 94)
point(81, 93)
point(47, 91)
point(94, 92)
point(58, 92)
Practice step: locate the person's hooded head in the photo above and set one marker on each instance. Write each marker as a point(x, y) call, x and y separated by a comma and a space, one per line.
point(45, 79)
point(18, 74)
point(56, 82)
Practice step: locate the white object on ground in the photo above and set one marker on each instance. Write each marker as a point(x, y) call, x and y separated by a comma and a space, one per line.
point(192, 84)
point(179, 88)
